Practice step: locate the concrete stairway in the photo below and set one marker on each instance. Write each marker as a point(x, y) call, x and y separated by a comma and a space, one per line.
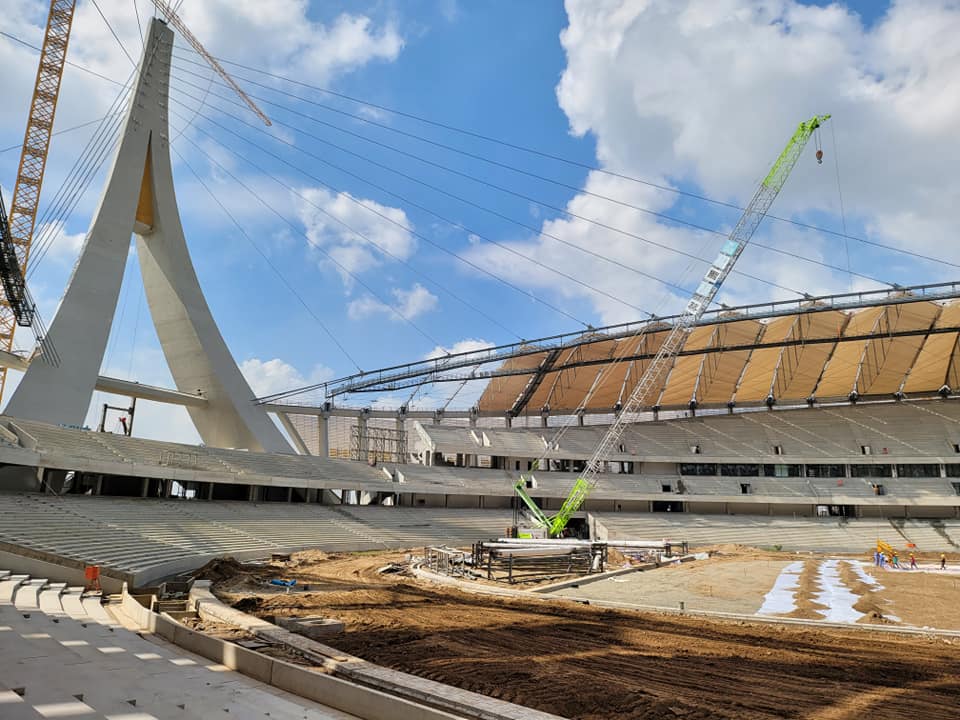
point(62, 655)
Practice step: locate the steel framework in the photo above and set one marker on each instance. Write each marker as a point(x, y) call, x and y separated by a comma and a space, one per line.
point(467, 366)
point(33, 158)
point(379, 444)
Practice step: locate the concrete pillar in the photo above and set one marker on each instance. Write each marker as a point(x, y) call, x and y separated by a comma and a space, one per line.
point(98, 490)
point(145, 487)
point(323, 436)
point(139, 198)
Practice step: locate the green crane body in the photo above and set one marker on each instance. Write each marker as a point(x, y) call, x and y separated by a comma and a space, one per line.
point(656, 372)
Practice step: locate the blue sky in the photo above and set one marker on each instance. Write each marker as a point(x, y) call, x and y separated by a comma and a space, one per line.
point(699, 96)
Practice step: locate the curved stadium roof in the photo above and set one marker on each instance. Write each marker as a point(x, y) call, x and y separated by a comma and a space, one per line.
point(910, 347)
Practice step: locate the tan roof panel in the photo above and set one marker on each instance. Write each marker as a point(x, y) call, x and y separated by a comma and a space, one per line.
point(887, 360)
point(829, 368)
point(840, 375)
point(802, 365)
point(502, 392)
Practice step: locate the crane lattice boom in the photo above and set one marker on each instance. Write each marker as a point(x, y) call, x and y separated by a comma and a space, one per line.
point(164, 7)
point(657, 370)
point(16, 306)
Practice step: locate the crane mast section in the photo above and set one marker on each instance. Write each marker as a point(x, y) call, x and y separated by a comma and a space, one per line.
point(17, 307)
point(705, 293)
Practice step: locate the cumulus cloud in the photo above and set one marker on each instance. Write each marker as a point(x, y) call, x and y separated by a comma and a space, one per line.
point(703, 94)
point(353, 235)
point(63, 246)
point(280, 36)
point(409, 304)
point(267, 377)
point(461, 346)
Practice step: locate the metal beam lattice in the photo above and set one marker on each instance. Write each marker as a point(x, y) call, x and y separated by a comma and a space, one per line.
point(33, 160)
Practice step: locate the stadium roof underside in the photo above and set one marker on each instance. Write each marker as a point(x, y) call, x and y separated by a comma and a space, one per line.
point(853, 346)
point(876, 351)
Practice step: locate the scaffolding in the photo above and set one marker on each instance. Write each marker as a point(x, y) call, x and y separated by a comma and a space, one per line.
point(373, 444)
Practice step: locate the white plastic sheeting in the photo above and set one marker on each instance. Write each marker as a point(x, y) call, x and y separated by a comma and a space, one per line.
point(781, 599)
point(835, 595)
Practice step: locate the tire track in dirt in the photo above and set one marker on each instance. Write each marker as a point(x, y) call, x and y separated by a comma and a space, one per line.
point(590, 663)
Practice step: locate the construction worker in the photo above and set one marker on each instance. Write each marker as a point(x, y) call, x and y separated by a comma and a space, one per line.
point(913, 562)
point(943, 561)
point(895, 562)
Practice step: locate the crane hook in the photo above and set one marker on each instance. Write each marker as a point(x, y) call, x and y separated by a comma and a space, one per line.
point(819, 157)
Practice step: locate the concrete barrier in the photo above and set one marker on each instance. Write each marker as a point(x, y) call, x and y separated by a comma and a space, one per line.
point(396, 685)
point(40, 564)
point(343, 695)
point(364, 702)
point(134, 609)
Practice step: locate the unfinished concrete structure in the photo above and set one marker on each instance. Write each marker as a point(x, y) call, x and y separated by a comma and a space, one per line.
point(139, 198)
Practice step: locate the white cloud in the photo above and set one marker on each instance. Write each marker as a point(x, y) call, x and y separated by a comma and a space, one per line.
point(706, 93)
point(267, 377)
point(280, 36)
point(461, 346)
point(335, 223)
point(409, 304)
point(64, 246)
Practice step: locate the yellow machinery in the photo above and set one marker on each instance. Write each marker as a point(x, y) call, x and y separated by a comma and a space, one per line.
point(885, 548)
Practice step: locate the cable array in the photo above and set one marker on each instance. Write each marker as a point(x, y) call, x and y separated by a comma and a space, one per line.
point(536, 152)
point(102, 141)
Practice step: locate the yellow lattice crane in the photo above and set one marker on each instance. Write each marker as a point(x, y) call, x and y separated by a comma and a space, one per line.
point(33, 162)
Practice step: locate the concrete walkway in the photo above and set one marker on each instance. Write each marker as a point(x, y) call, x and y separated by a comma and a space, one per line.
point(58, 661)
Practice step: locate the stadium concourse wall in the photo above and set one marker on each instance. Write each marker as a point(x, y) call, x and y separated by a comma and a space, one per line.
point(850, 460)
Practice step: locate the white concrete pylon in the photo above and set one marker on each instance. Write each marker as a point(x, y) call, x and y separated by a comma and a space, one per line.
point(139, 198)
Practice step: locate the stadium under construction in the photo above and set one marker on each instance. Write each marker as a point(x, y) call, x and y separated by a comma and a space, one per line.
point(754, 452)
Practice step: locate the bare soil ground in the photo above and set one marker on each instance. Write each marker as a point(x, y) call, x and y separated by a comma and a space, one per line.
point(589, 663)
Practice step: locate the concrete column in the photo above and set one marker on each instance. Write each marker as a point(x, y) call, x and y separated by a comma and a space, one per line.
point(323, 436)
point(98, 490)
point(139, 197)
point(145, 487)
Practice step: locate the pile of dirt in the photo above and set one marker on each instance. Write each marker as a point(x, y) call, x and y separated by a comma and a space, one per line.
point(228, 568)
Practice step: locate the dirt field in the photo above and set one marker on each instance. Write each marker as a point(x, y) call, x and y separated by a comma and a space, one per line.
point(737, 580)
point(588, 663)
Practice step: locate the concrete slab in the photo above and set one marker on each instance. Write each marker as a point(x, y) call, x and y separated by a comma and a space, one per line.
point(94, 608)
point(72, 602)
point(9, 587)
point(49, 599)
point(28, 594)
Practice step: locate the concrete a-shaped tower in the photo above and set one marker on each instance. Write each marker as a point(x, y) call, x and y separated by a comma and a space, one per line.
point(139, 199)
